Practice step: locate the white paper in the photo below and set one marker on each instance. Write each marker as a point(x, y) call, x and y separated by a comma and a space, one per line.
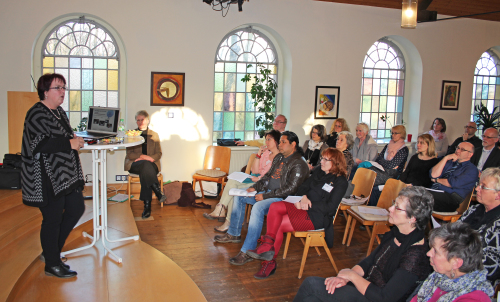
point(373, 211)
point(241, 192)
point(293, 199)
point(435, 224)
point(441, 191)
point(377, 165)
point(238, 176)
point(381, 187)
point(354, 201)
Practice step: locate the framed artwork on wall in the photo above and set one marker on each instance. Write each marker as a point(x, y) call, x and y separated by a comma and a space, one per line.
point(450, 95)
point(326, 102)
point(167, 88)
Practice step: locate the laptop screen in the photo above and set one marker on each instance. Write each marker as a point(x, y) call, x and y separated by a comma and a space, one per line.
point(103, 120)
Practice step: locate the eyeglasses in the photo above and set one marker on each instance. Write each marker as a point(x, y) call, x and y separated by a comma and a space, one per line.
point(394, 133)
point(396, 207)
point(325, 159)
point(463, 150)
point(317, 133)
point(59, 88)
point(279, 122)
point(469, 127)
point(483, 187)
point(489, 137)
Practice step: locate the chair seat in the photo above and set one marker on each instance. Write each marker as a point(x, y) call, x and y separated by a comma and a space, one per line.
point(445, 213)
point(211, 173)
point(137, 175)
point(370, 216)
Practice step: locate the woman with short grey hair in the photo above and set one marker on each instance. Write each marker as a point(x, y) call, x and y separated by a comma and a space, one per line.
point(365, 147)
point(455, 254)
point(345, 141)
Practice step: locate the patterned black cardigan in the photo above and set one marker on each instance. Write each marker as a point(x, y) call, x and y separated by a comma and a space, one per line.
point(62, 170)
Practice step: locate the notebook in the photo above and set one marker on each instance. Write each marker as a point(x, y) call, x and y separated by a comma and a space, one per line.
point(102, 123)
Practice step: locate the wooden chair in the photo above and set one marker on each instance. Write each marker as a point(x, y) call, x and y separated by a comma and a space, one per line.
point(217, 159)
point(363, 182)
point(314, 239)
point(134, 185)
point(389, 193)
point(454, 216)
point(248, 207)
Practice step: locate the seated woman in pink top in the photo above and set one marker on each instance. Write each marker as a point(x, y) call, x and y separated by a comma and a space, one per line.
point(456, 255)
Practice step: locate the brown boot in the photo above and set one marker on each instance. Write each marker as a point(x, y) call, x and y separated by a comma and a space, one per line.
point(227, 238)
point(240, 259)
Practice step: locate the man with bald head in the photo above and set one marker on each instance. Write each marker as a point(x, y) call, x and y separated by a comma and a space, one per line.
point(468, 136)
point(488, 155)
point(454, 177)
point(279, 124)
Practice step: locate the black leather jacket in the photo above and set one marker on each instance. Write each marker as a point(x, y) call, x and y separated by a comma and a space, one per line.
point(294, 173)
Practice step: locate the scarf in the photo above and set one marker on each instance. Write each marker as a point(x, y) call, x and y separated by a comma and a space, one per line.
point(437, 135)
point(457, 287)
point(314, 145)
point(393, 148)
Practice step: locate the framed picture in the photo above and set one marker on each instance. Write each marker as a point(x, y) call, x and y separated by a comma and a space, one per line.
point(450, 95)
point(326, 103)
point(167, 89)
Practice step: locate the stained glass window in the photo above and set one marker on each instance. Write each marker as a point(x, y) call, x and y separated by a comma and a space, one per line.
point(234, 112)
point(486, 87)
point(86, 54)
point(382, 89)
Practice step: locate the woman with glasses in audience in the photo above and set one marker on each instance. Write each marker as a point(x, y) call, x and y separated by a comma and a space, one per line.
point(392, 270)
point(458, 275)
point(315, 145)
point(339, 125)
point(437, 131)
point(485, 218)
point(321, 195)
point(417, 170)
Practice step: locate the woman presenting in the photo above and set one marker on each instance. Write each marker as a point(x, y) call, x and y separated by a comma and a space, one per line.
point(145, 160)
point(52, 177)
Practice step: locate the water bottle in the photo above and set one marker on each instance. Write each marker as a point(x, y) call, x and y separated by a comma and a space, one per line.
point(121, 128)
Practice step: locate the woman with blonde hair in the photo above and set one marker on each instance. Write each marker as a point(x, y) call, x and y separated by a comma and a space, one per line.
point(417, 170)
point(338, 126)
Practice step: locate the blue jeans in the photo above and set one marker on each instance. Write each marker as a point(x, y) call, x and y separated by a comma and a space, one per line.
point(259, 210)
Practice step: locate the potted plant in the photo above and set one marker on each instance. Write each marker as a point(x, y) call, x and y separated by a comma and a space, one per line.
point(82, 126)
point(263, 93)
point(484, 119)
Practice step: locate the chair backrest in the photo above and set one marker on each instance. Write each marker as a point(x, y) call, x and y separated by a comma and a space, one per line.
point(390, 191)
point(250, 163)
point(465, 204)
point(363, 181)
point(217, 157)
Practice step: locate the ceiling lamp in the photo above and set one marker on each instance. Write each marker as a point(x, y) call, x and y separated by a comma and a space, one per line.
point(223, 5)
point(409, 14)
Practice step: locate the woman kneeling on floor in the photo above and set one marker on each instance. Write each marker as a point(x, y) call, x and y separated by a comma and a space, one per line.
point(322, 193)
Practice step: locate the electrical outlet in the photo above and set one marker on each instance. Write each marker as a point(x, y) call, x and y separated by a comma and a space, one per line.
point(121, 178)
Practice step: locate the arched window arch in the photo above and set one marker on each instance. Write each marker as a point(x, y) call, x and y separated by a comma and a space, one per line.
point(234, 112)
point(87, 55)
point(382, 88)
point(486, 87)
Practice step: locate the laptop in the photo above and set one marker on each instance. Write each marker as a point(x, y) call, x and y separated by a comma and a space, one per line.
point(102, 123)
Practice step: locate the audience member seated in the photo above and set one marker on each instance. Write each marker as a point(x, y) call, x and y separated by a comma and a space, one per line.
point(437, 131)
point(417, 170)
point(315, 145)
point(288, 171)
point(338, 126)
point(364, 148)
point(392, 270)
point(345, 141)
point(321, 195)
point(279, 124)
point(469, 136)
point(144, 160)
point(261, 164)
point(454, 177)
point(458, 273)
point(488, 155)
point(485, 218)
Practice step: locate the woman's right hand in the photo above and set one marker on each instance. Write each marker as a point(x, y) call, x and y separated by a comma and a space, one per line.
point(261, 150)
point(333, 283)
point(76, 143)
point(358, 161)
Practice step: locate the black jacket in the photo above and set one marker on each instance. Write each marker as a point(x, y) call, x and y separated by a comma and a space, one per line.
point(492, 161)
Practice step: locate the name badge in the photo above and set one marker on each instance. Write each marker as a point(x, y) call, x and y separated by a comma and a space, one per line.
point(327, 188)
point(268, 162)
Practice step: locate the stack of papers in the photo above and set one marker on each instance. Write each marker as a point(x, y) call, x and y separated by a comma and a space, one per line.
point(293, 199)
point(373, 211)
point(241, 192)
point(238, 176)
point(354, 200)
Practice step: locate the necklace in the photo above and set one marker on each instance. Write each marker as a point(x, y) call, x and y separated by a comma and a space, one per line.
point(52, 110)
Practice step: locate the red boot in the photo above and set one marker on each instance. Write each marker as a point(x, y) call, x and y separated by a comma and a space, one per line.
point(267, 269)
point(265, 251)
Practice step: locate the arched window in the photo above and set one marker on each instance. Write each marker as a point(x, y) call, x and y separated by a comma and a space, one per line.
point(382, 89)
point(234, 112)
point(86, 54)
point(486, 88)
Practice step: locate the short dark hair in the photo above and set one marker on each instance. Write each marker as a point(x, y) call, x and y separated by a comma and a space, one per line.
point(292, 137)
point(45, 81)
point(460, 241)
point(339, 166)
point(420, 204)
point(321, 132)
point(441, 121)
point(275, 134)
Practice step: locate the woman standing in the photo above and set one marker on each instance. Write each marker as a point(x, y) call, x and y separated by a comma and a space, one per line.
point(52, 177)
point(144, 160)
point(437, 131)
point(338, 126)
point(417, 170)
point(315, 145)
point(364, 148)
point(345, 141)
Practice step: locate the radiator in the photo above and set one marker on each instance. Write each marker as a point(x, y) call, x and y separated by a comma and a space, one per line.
point(240, 156)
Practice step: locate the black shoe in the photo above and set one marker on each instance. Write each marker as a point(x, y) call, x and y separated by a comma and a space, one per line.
point(159, 194)
point(59, 271)
point(63, 259)
point(147, 209)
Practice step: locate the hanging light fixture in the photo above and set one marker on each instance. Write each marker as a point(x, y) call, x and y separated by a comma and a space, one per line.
point(409, 14)
point(223, 5)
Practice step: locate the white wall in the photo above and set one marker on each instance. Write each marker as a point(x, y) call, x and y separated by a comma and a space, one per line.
point(326, 42)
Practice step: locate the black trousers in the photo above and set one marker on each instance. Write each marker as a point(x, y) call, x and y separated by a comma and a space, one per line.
point(314, 289)
point(446, 202)
point(59, 218)
point(147, 172)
